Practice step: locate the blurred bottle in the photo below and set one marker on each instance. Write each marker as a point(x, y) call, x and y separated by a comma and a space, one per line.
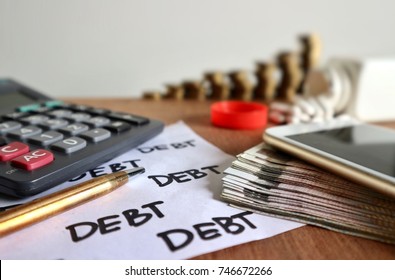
point(363, 88)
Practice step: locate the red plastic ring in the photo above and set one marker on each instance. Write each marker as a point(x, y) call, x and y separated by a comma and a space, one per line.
point(239, 114)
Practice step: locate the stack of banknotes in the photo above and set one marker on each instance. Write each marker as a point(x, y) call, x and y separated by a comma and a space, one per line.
point(266, 181)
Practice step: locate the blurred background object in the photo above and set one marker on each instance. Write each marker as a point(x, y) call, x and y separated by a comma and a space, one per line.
point(110, 48)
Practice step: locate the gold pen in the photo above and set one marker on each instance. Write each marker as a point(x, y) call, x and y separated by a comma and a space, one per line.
point(53, 204)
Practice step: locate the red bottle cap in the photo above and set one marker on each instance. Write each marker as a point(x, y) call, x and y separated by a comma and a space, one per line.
point(239, 114)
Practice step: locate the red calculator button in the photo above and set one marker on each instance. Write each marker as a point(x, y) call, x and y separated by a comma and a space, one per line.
point(33, 160)
point(13, 150)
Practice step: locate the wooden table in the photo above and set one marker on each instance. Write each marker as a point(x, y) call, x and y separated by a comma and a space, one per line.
point(308, 242)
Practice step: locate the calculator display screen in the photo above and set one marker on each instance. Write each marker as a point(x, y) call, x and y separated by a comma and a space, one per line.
point(369, 146)
point(15, 99)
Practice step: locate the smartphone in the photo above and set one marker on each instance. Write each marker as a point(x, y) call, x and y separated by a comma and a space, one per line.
point(360, 152)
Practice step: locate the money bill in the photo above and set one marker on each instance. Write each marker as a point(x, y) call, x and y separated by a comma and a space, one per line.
point(272, 183)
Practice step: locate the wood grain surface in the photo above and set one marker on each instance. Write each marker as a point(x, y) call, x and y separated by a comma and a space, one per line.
point(308, 242)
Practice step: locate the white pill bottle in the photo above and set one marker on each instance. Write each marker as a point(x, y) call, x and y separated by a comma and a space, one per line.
point(361, 87)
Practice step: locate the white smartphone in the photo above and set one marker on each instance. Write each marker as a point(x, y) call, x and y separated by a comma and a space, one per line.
point(360, 152)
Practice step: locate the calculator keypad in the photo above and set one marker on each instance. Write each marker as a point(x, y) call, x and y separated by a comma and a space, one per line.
point(60, 127)
point(39, 140)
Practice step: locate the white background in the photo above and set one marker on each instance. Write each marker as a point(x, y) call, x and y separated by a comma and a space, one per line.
point(113, 48)
point(281, 269)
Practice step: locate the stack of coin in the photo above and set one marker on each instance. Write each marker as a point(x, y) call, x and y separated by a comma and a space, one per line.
point(290, 76)
point(153, 95)
point(194, 90)
point(175, 92)
point(265, 87)
point(240, 86)
point(292, 69)
point(309, 56)
point(218, 88)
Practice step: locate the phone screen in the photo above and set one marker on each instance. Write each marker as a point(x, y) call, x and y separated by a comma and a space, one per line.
point(369, 146)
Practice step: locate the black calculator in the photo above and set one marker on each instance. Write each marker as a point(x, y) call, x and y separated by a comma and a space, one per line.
point(44, 142)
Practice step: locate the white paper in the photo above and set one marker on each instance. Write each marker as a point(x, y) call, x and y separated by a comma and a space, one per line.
point(134, 221)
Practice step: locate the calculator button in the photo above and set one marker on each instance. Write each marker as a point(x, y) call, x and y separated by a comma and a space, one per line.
point(69, 145)
point(60, 113)
point(8, 126)
point(129, 118)
point(74, 129)
point(118, 126)
point(96, 135)
point(28, 108)
point(97, 121)
point(35, 119)
point(13, 150)
point(15, 116)
point(63, 106)
point(98, 111)
point(41, 110)
point(78, 117)
point(80, 107)
point(25, 132)
point(54, 123)
point(53, 103)
point(33, 160)
point(46, 138)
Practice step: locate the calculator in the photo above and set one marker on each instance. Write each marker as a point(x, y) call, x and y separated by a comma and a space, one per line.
point(44, 142)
